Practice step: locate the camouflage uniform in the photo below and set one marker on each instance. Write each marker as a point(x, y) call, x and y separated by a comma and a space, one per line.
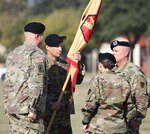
point(23, 88)
point(106, 104)
point(56, 77)
point(139, 94)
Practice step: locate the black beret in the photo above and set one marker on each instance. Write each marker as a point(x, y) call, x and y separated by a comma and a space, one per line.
point(54, 40)
point(34, 27)
point(119, 43)
point(106, 56)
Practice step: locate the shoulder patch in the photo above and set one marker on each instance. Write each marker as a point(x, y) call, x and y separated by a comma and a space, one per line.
point(142, 84)
point(38, 60)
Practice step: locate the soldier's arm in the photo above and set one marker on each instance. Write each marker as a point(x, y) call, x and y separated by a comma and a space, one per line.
point(6, 83)
point(91, 104)
point(81, 73)
point(36, 80)
point(130, 107)
point(140, 98)
point(5, 93)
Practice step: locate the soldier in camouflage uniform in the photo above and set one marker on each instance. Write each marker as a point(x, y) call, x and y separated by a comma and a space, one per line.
point(106, 101)
point(56, 77)
point(23, 86)
point(138, 83)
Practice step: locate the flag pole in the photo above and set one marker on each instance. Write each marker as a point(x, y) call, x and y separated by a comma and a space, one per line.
point(82, 37)
point(59, 100)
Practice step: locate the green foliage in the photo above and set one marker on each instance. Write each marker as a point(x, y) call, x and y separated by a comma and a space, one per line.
point(12, 6)
point(117, 17)
point(13, 32)
point(123, 17)
point(61, 21)
point(47, 6)
point(65, 24)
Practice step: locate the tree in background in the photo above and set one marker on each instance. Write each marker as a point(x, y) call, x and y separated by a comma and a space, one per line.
point(117, 17)
point(12, 6)
point(123, 17)
point(59, 16)
point(48, 6)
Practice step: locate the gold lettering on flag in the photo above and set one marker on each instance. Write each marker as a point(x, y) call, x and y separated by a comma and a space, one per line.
point(88, 26)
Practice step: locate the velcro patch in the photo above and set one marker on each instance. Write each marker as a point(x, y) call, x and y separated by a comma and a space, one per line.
point(39, 60)
point(142, 84)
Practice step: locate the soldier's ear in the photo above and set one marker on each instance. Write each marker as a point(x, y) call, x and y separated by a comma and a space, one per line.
point(99, 65)
point(126, 54)
point(127, 51)
point(47, 47)
point(37, 35)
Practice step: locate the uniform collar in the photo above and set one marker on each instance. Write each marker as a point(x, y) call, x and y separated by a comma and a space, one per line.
point(122, 68)
point(31, 43)
point(108, 72)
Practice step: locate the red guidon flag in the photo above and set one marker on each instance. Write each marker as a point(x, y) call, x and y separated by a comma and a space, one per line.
point(84, 32)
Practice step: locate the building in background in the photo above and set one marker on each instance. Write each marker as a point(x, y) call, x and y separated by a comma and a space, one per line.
point(144, 44)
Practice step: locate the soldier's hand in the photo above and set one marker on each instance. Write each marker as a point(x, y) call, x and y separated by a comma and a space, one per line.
point(32, 116)
point(85, 128)
point(77, 56)
point(56, 106)
point(134, 124)
point(7, 115)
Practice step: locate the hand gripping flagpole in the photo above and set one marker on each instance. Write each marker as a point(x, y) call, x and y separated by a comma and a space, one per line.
point(84, 32)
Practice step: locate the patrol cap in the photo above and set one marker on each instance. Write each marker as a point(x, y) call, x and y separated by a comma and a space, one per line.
point(54, 40)
point(119, 43)
point(34, 27)
point(106, 56)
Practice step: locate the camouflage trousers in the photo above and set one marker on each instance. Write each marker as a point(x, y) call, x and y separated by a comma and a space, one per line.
point(134, 130)
point(61, 130)
point(61, 124)
point(105, 126)
point(104, 133)
point(19, 125)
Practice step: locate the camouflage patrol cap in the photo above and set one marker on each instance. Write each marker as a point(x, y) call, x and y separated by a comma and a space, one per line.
point(119, 43)
point(106, 56)
point(54, 40)
point(34, 27)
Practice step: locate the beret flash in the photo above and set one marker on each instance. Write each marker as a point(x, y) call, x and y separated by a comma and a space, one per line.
point(119, 43)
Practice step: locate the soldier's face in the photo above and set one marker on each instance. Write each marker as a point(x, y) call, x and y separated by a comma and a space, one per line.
point(55, 51)
point(120, 52)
